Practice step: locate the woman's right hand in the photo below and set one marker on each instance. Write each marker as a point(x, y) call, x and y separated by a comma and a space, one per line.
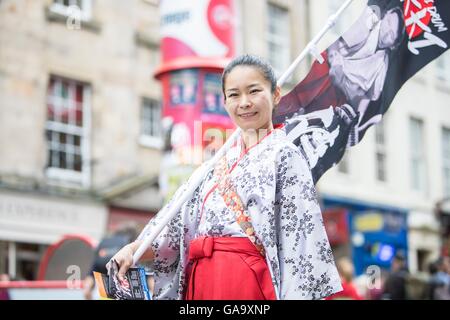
point(124, 260)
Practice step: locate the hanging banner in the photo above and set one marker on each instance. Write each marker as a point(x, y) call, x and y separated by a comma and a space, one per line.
point(336, 103)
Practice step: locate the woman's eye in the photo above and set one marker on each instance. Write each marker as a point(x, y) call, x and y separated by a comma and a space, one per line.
point(231, 95)
point(255, 91)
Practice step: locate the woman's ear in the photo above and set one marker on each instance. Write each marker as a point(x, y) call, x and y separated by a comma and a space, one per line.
point(277, 96)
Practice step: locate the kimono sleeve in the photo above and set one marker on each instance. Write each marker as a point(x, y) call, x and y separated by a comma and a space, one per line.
point(307, 268)
point(166, 248)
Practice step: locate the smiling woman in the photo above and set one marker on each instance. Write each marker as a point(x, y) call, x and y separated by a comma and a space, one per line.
point(253, 229)
point(250, 96)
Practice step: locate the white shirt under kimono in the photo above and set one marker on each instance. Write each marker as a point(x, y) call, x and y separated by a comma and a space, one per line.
point(275, 185)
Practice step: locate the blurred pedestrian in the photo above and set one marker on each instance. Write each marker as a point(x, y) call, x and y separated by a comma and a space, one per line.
point(107, 248)
point(4, 294)
point(395, 286)
point(439, 286)
point(346, 272)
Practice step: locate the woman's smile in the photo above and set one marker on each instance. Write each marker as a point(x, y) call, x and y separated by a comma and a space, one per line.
point(248, 115)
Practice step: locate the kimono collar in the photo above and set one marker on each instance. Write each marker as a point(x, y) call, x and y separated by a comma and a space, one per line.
point(240, 141)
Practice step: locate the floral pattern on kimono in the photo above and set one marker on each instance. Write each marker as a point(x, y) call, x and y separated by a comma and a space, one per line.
point(274, 183)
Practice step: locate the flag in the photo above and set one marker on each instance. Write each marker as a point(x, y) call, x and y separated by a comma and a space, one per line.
point(333, 106)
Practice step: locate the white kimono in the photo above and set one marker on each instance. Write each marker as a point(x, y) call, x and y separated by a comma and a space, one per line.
point(274, 183)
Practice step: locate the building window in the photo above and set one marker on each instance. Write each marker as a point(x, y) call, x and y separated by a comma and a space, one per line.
point(67, 130)
point(446, 160)
point(151, 123)
point(443, 68)
point(20, 261)
point(4, 263)
point(73, 8)
point(418, 163)
point(380, 147)
point(278, 38)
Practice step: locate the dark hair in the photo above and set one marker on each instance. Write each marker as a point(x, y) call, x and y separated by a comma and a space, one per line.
point(381, 10)
point(400, 27)
point(433, 267)
point(439, 262)
point(128, 229)
point(252, 61)
point(400, 256)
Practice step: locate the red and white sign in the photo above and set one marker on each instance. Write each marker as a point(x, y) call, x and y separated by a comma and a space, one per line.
point(197, 28)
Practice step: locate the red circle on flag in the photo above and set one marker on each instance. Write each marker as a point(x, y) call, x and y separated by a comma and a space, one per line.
point(419, 9)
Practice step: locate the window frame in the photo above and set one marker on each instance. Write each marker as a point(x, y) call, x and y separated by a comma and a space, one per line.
point(145, 139)
point(418, 157)
point(443, 68)
point(82, 177)
point(282, 41)
point(85, 10)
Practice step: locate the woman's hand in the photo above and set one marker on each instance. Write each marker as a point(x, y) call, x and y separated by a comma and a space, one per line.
point(124, 260)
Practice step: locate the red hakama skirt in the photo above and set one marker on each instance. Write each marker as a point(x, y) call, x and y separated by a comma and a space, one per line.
point(227, 268)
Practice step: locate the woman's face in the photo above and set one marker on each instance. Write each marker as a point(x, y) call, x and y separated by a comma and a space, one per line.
point(248, 98)
point(389, 30)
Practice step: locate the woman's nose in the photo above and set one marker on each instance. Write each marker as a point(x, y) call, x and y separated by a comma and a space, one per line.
point(244, 102)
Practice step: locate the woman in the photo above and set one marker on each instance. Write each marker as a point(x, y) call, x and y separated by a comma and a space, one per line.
point(253, 229)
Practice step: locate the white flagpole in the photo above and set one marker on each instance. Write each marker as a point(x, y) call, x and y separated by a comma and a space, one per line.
point(311, 46)
point(200, 173)
point(195, 180)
